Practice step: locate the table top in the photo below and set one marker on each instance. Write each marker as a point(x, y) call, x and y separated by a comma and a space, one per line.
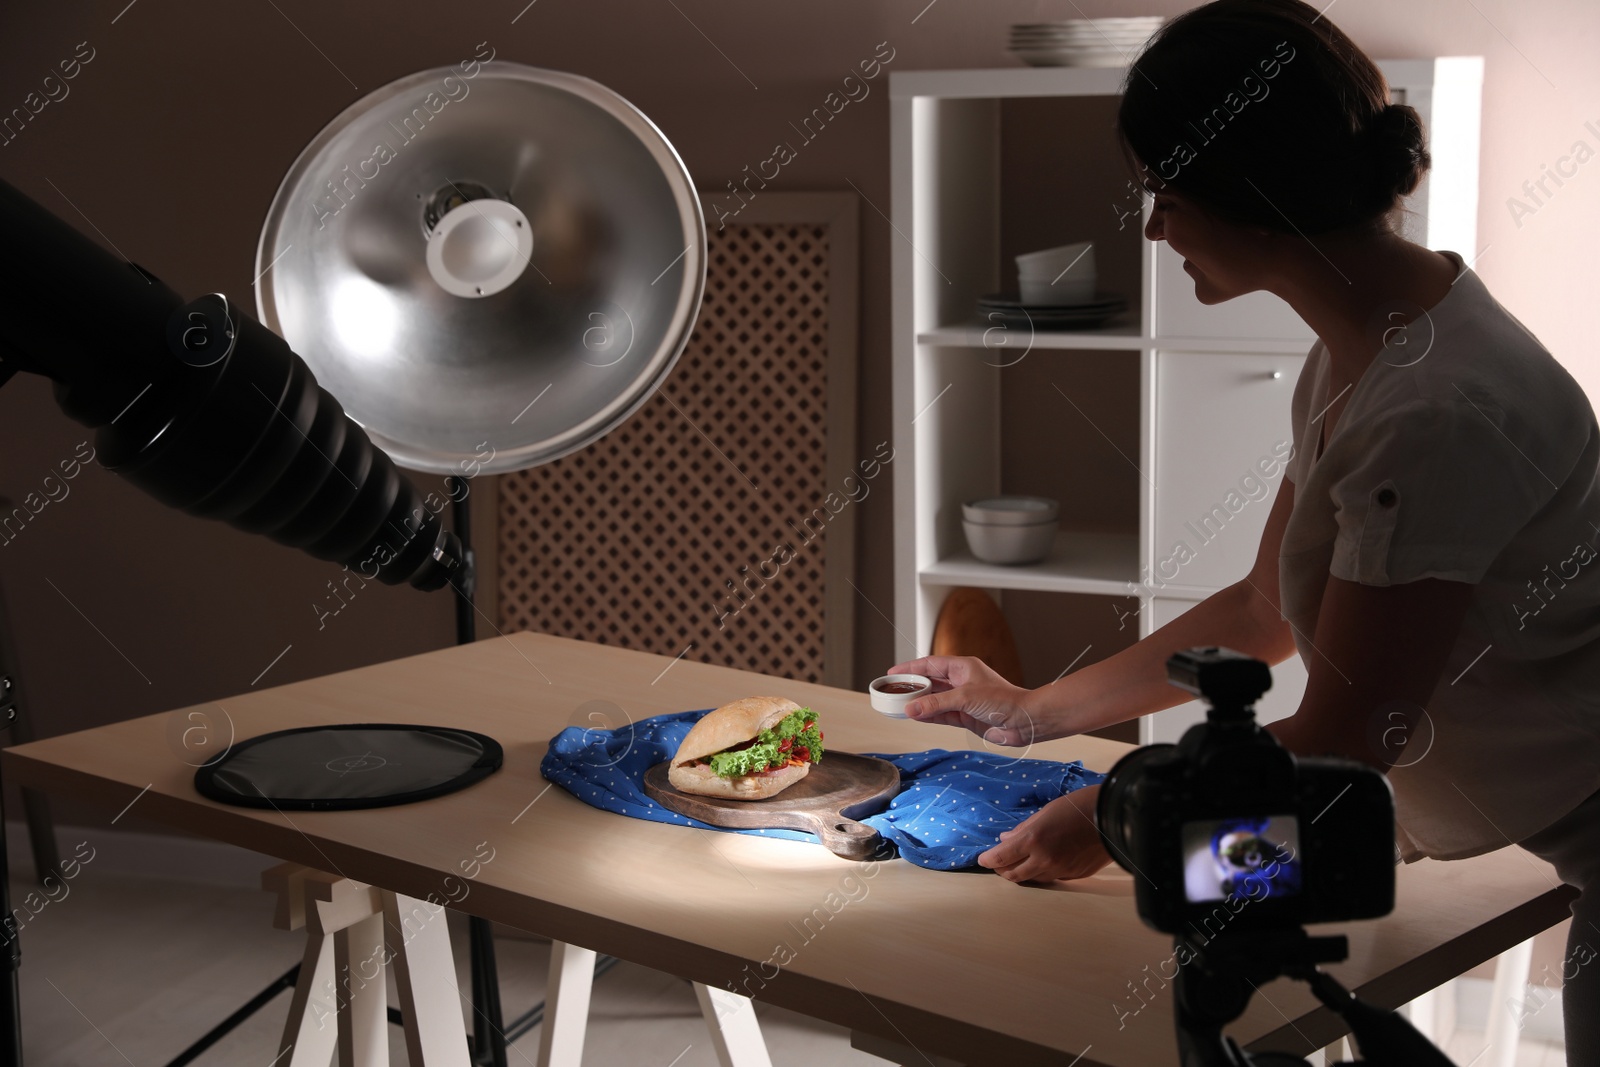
point(956, 964)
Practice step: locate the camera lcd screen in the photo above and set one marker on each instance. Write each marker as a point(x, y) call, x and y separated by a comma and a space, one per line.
point(1250, 856)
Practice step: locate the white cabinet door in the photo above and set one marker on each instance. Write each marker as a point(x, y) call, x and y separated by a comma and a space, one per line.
point(1279, 702)
point(1222, 437)
point(1254, 315)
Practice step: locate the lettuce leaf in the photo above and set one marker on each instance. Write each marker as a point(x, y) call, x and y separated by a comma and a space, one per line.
point(800, 725)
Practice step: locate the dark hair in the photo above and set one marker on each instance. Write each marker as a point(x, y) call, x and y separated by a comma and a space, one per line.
point(1266, 114)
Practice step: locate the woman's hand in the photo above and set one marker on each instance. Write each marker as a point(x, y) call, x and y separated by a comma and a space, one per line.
point(966, 692)
point(1060, 840)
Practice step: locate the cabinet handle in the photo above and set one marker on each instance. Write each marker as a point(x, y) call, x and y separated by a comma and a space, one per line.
point(1277, 374)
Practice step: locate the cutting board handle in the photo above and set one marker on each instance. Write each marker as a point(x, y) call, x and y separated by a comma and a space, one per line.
point(843, 837)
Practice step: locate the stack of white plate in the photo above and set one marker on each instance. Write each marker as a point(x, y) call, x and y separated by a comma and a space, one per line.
point(1111, 42)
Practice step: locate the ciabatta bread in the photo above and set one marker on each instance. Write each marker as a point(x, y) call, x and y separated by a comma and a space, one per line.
point(721, 729)
point(702, 781)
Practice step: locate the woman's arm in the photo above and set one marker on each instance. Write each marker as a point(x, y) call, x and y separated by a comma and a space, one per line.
point(1378, 654)
point(1061, 840)
point(1245, 616)
point(967, 693)
point(1134, 681)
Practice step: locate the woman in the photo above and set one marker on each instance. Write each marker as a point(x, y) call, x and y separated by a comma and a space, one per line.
point(1431, 555)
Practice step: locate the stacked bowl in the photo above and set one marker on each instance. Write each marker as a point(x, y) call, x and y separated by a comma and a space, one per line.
point(1010, 529)
point(1109, 42)
point(1057, 277)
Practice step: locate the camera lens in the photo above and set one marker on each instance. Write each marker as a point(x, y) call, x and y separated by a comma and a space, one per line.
point(252, 439)
point(206, 409)
point(1116, 810)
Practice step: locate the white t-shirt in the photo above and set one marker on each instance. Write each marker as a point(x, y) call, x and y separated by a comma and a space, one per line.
point(1479, 462)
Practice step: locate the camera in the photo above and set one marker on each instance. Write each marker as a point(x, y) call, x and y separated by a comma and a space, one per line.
point(1233, 843)
point(1227, 829)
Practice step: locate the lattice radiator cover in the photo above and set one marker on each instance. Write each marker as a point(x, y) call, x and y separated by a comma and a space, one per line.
point(668, 534)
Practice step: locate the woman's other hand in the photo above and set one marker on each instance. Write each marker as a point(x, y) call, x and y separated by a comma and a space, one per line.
point(1060, 840)
point(966, 692)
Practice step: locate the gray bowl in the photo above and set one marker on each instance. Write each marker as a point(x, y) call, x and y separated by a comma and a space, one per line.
point(1009, 543)
point(1011, 510)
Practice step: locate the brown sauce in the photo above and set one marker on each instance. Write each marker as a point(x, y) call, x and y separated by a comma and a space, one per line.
point(899, 688)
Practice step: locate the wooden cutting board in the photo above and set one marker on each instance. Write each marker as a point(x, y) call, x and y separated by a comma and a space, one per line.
point(825, 802)
point(971, 624)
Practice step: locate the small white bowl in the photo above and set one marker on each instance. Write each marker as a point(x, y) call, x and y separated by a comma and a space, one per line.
point(894, 704)
point(1079, 254)
point(1055, 277)
point(1010, 544)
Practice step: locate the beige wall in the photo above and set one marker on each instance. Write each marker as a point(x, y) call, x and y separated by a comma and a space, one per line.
point(174, 137)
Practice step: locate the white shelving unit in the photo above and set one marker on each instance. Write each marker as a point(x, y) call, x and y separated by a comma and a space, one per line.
point(1214, 382)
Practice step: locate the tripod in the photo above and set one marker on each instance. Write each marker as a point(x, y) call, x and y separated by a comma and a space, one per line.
point(1216, 983)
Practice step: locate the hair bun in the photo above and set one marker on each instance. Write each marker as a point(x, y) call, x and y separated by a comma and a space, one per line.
point(1398, 150)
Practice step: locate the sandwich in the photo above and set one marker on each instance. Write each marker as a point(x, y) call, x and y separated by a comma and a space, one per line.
point(750, 749)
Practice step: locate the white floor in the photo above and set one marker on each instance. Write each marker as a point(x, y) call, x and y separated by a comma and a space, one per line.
point(128, 971)
point(1467, 1048)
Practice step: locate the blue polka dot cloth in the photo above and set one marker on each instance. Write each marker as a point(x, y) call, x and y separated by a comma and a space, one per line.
point(952, 806)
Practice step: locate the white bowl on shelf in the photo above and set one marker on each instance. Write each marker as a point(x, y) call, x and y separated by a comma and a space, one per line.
point(1008, 543)
point(1079, 255)
point(1011, 510)
point(1065, 274)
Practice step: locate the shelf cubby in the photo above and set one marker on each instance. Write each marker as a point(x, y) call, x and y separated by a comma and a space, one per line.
point(987, 164)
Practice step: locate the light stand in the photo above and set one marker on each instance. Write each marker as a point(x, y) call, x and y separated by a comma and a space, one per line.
point(10, 1005)
point(490, 1033)
point(488, 1029)
point(414, 296)
point(525, 276)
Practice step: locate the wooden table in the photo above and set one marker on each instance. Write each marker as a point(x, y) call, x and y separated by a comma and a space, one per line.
point(964, 966)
